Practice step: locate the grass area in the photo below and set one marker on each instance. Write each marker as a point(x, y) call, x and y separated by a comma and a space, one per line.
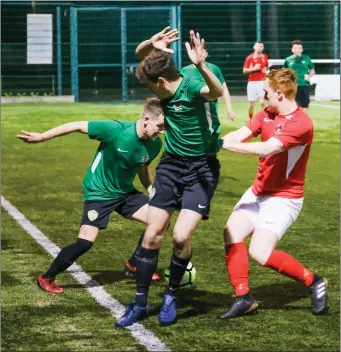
point(44, 182)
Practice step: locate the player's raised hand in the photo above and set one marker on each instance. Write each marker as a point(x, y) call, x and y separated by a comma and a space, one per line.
point(196, 49)
point(30, 137)
point(162, 39)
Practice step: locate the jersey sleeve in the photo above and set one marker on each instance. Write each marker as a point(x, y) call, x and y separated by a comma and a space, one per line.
point(295, 133)
point(103, 131)
point(195, 87)
point(311, 66)
point(219, 74)
point(247, 62)
point(255, 124)
point(286, 63)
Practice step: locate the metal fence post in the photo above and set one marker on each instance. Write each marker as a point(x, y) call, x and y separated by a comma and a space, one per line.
point(179, 47)
point(124, 54)
point(59, 53)
point(74, 53)
point(336, 36)
point(259, 19)
point(173, 24)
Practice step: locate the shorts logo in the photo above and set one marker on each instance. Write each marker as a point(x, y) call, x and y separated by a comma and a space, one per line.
point(201, 206)
point(92, 215)
point(152, 193)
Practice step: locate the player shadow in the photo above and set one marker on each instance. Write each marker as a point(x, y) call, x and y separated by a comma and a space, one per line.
point(269, 297)
point(106, 277)
point(5, 244)
point(7, 279)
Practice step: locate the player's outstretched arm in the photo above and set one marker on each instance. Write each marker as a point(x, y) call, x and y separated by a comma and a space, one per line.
point(235, 142)
point(227, 99)
point(197, 54)
point(36, 137)
point(159, 40)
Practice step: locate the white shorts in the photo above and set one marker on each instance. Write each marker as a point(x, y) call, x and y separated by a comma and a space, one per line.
point(255, 90)
point(275, 214)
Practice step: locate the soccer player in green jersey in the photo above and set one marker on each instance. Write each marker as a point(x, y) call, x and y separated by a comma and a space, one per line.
point(304, 69)
point(188, 172)
point(192, 71)
point(126, 149)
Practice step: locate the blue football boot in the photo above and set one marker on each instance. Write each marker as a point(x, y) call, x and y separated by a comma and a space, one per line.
point(167, 313)
point(133, 314)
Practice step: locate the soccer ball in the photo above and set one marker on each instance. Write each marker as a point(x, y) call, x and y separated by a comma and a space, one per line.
point(189, 276)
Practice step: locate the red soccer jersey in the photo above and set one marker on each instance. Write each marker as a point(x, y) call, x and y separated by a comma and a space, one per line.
point(251, 61)
point(283, 174)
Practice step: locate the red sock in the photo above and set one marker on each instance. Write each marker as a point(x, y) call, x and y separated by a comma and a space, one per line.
point(287, 265)
point(237, 265)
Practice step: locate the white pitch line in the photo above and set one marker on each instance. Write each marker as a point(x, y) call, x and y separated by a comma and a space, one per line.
point(326, 106)
point(143, 336)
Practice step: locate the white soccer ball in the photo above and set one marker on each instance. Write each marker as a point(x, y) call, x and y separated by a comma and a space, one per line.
point(189, 276)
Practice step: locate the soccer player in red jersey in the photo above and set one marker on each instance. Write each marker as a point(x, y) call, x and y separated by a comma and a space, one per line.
point(274, 201)
point(256, 65)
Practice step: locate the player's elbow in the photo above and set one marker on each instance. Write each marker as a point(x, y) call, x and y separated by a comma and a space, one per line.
point(218, 91)
point(245, 71)
point(271, 149)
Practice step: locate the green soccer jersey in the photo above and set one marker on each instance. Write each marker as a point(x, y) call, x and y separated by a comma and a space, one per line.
point(117, 160)
point(192, 128)
point(192, 71)
point(301, 65)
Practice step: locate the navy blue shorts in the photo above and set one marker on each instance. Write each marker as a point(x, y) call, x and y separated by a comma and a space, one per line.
point(185, 183)
point(302, 96)
point(97, 212)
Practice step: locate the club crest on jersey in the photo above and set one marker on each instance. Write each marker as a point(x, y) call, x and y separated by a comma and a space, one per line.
point(178, 107)
point(278, 128)
point(92, 215)
point(303, 61)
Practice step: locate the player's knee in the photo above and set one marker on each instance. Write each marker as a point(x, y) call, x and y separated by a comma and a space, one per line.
point(152, 236)
point(154, 230)
point(231, 235)
point(181, 240)
point(258, 255)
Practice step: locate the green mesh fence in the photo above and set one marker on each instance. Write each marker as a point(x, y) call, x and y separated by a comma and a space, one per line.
point(94, 42)
point(230, 30)
point(106, 56)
